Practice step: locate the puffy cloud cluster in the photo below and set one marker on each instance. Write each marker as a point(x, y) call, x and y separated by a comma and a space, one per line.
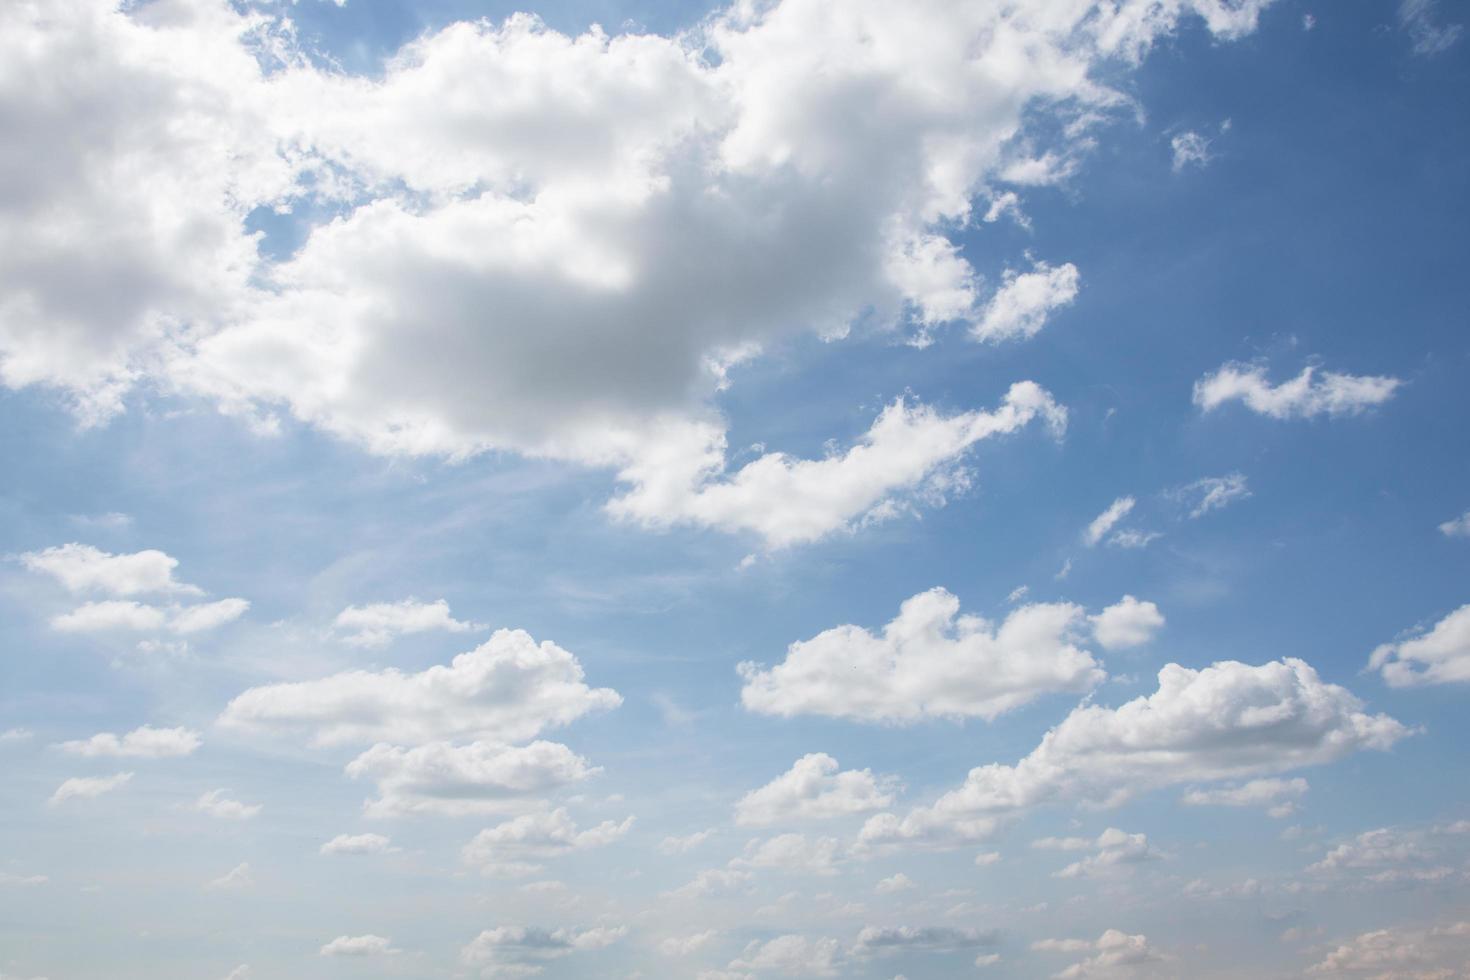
point(357, 844)
point(368, 945)
point(1395, 855)
point(217, 804)
point(517, 846)
point(1435, 953)
point(540, 242)
point(1115, 850)
point(81, 568)
point(930, 939)
point(378, 623)
point(145, 743)
point(813, 789)
point(1226, 721)
point(791, 955)
point(1440, 655)
point(1304, 396)
point(524, 950)
point(455, 780)
point(1113, 949)
point(1127, 623)
point(507, 689)
point(931, 661)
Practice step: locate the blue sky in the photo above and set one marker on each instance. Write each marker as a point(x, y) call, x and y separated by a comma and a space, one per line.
point(924, 491)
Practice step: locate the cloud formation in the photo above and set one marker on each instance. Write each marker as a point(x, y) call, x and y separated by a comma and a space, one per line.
point(1305, 396)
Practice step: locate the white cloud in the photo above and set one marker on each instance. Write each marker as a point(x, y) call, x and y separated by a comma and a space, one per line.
point(1190, 149)
point(812, 789)
point(894, 884)
point(521, 950)
point(509, 688)
point(517, 846)
point(1103, 523)
point(1435, 953)
point(109, 614)
point(1021, 305)
point(792, 956)
point(930, 661)
point(25, 881)
point(1226, 721)
point(368, 945)
point(207, 615)
point(1420, 19)
point(1304, 396)
point(910, 452)
point(216, 804)
point(1440, 655)
point(456, 780)
point(1212, 493)
point(240, 876)
point(1132, 538)
point(145, 742)
point(1277, 796)
point(241, 972)
point(1114, 949)
point(1061, 843)
point(83, 568)
point(712, 881)
point(88, 787)
point(1396, 855)
point(357, 844)
point(377, 624)
point(1458, 527)
point(792, 854)
point(1127, 623)
point(1116, 850)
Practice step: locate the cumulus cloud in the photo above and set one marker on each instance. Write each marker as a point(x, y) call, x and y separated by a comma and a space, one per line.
point(662, 206)
point(1439, 655)
point(813, 789)
point(377, 624)
point(1113, 949)
point(896, 883)
point(517, 846)
point(685, 844)
point(1211, 493)
point(1394, 855)
point(686, 945)
point(357, 844)
point(88, 787)
point(368, 945)
point(1304, 396)
point(109, 615)
point(1127, 623)
point(507, 689)
point(1278, 797)
point(712, 881)
point(217, 804)
point(930, 661)
point(910, 452)
point(791, 955)
point(1402, 953)
point(145, 742)
point(83, 568)
point(1023, 302)
point(524, 950)
point(1103, 523)
point(456, 780)
point(792, 854)
point(1226, 721)
point(1115, 850)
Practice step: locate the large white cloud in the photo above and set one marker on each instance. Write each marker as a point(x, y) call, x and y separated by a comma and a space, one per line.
point(1227, 721)
point(480, 777)
point(1440, 655)
point(507, 689)
point(1304, 396)
point(545, 243)
point(83, 568)
point(814, 788)
point(929, 662)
